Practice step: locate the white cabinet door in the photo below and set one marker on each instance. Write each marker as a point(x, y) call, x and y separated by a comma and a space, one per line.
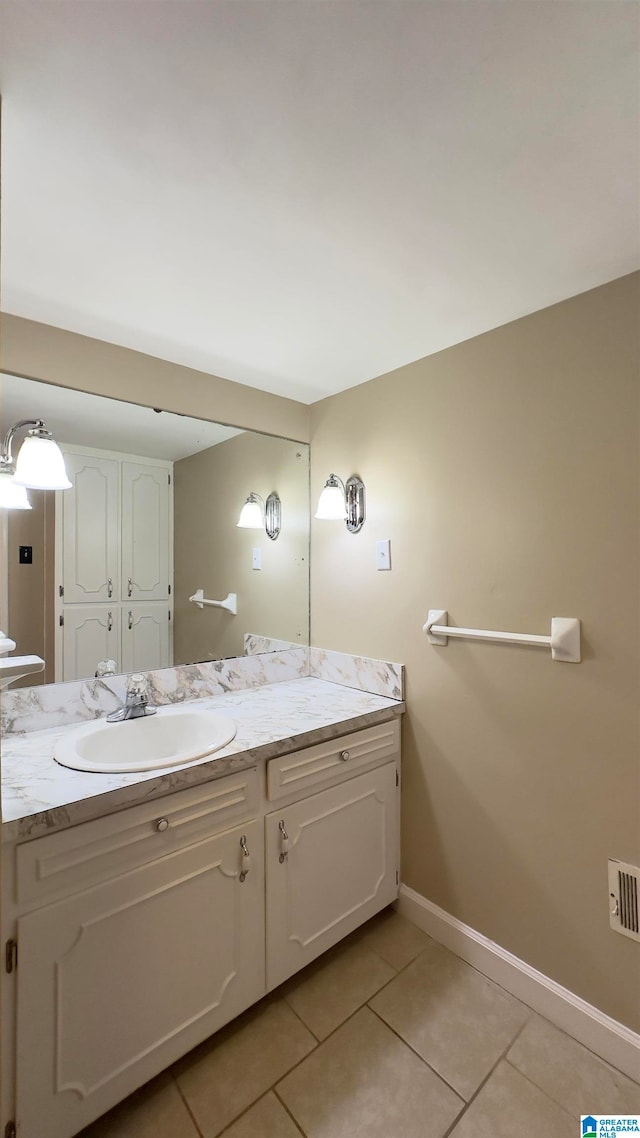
point(145, 637)
point(145, 532)
point(90, 530)
point(118, 981)
point(331, 863)
point(90, 633)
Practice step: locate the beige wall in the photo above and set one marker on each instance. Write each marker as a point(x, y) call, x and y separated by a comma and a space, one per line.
point(29, 620)
point(505, 472)
point(212, 553)
point(39, 351)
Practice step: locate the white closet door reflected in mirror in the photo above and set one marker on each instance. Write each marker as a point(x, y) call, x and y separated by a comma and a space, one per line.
point(114, 545)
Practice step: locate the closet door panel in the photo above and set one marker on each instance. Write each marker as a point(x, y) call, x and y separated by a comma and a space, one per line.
point(91, 633)
point(145, 532)
point(145, 637)
point(90, 525)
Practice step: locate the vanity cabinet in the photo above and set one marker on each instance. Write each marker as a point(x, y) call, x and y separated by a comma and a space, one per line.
point(121, 979)
point(139, 935)
point(142, 932)
point(332, 863)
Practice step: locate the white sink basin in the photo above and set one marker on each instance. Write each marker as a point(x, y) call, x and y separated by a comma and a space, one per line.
point(172, 736)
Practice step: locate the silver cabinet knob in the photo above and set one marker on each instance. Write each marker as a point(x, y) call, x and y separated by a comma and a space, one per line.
point(162, 824)
point(344, 755)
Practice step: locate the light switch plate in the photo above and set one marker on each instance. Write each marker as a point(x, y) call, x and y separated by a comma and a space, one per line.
point(256, 558)
point(383, 554)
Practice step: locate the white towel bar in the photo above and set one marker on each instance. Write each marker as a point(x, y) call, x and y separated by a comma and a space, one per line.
point(564, 641)
point(230, 602)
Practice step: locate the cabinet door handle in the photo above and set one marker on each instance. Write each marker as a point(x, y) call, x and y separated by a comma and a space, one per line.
point(285, 844)
point(162, 824)
point(130, 621)
point(109, 587)
point(129, 587)
point(345, 756)
point(246, 860)
point(109, 621)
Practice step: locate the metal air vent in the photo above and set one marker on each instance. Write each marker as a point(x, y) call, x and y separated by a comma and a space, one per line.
point(624, 886)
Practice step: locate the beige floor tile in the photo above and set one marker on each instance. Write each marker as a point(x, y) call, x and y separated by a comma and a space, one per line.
point(395, 939)
point(333, 988)
point(509, 1106)
point(363, 1082)
point(266, 1119)
point(456, 1019)
point(155, 1111)
point(572, 1076)
point(223, 1076)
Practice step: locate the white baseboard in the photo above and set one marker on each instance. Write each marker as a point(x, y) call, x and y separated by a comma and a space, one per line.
point(611, 1040)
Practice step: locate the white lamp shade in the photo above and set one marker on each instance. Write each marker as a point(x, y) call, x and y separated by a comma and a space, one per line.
point(250, 516)
point(331, 504)
point(12, 496)
point(40, 464)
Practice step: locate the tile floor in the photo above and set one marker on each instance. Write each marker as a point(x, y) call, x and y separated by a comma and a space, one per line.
point(387, 1036)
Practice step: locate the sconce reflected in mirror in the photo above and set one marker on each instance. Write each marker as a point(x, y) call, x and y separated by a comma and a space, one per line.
point(258, 514)
point(340, 501)
point(12, 496)
point(39, 466)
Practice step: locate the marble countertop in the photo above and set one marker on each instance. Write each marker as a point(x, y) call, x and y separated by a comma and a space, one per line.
point(39, 795)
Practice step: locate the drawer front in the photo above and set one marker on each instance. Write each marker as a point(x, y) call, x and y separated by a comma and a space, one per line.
point(63, 863)
point(331, 762)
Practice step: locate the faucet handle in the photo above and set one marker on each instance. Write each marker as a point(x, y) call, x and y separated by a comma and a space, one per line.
point(137, 684)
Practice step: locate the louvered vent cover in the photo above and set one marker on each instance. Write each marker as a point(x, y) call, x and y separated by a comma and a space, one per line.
point(624, 887)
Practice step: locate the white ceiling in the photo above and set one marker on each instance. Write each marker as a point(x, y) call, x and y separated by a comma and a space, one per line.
point(303, 195)
point(108, 424)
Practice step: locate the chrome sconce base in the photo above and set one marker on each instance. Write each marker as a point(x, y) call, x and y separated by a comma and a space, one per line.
point(354, 496)
point(272, 512)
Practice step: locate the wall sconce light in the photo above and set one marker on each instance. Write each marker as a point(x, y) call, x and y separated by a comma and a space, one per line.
point(340, 501)
point(258, 514)
point(39, 465)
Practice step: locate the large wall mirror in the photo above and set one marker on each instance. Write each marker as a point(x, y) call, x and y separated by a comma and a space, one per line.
point(106, 569)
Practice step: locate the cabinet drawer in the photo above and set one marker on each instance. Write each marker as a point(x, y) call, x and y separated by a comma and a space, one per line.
point(67, 862)
point(331, 762)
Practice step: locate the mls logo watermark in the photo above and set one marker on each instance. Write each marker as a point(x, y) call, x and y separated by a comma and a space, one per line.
point(608, 1125)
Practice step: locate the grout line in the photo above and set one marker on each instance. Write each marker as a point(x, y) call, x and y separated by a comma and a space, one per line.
point(417, 1053)
point(221, 1133)
point(269, 997)
point(250, 1105)
point(286, 1108)
point(188, 1108)
point(546, 1094)
point(499, 1060)
point(351, 1014)
point(305, 1026)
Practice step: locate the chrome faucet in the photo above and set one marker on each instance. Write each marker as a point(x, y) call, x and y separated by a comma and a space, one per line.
point(137, 702)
